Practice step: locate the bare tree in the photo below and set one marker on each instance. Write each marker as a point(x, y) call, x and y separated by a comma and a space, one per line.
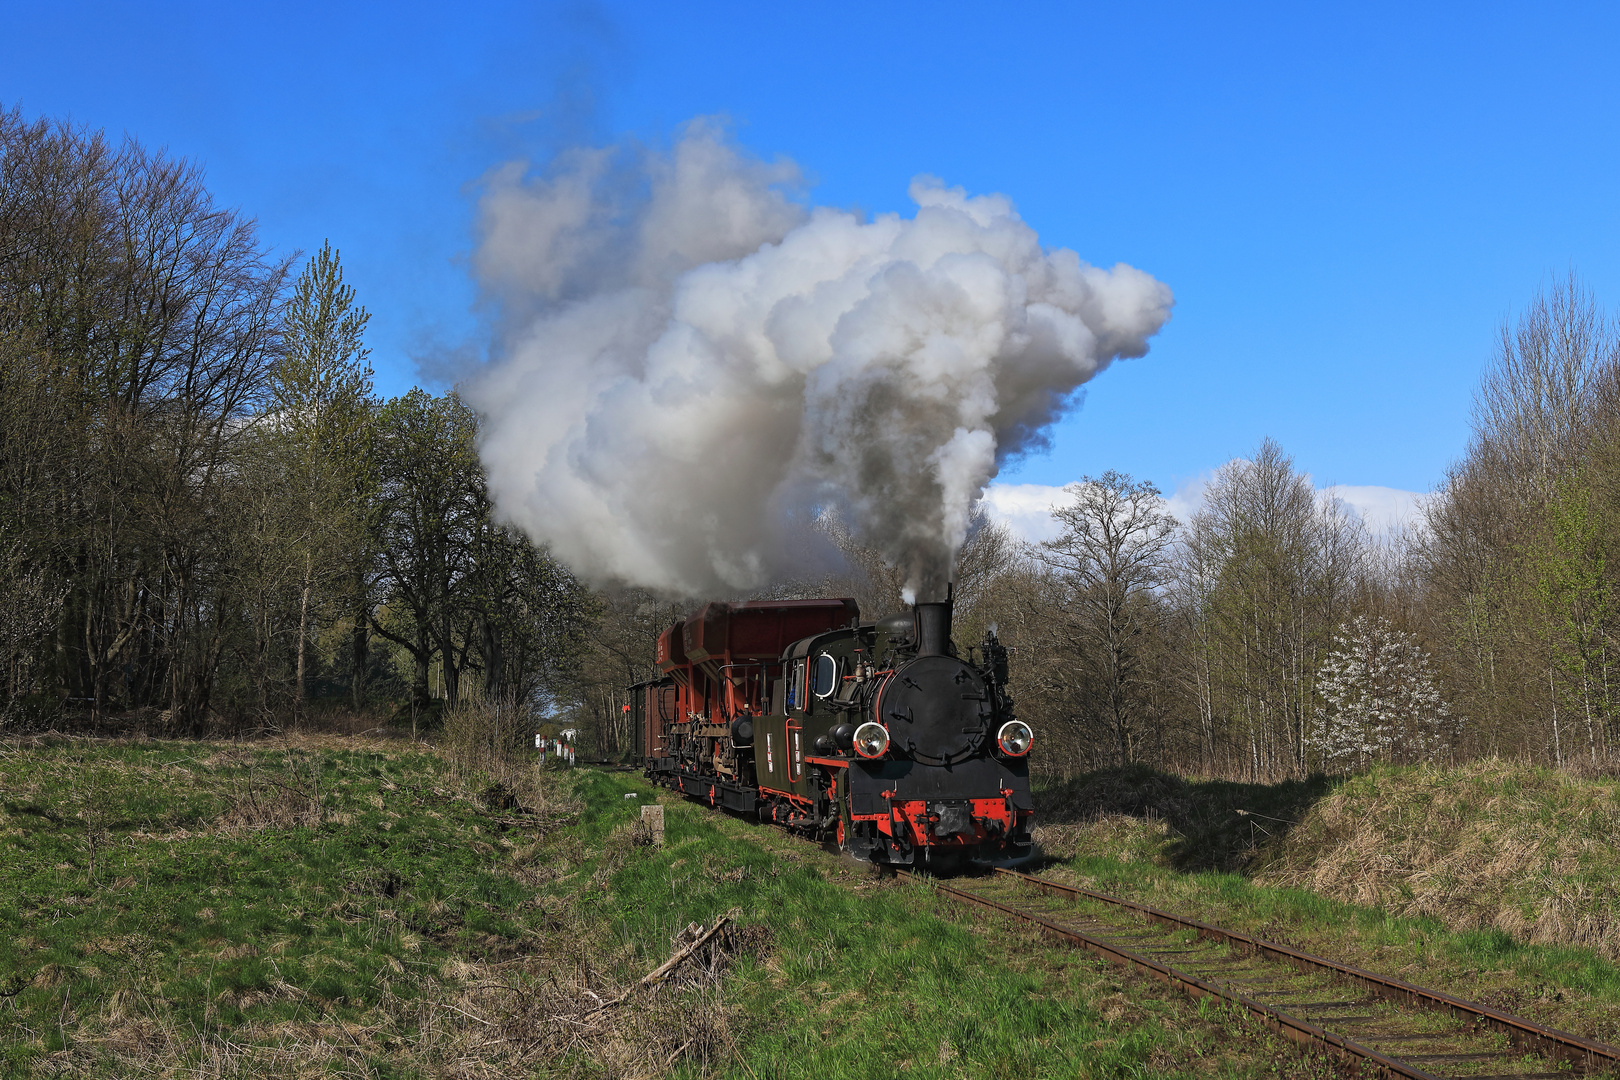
point(145, 316)
point(1540, 402)
point(32, 607)
point(621, 651)
point(1514, 558)
point(1111, 557)
point(869, 578)
point(1273, 571)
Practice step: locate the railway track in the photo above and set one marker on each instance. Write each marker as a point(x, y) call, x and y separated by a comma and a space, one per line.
point(1378, 1025)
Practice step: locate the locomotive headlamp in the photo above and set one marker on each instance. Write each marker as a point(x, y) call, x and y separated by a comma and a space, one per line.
point(1015, 738)
point(871, 740)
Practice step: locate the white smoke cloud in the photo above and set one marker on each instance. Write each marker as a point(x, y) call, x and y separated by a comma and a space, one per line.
point(691, 361)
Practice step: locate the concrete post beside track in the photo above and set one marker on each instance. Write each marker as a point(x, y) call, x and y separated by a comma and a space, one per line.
point(654, 817)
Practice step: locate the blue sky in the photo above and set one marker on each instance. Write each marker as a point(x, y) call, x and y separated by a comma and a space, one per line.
point(1346, 200)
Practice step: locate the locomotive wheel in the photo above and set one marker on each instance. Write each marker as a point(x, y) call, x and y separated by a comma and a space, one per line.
point(841, 846)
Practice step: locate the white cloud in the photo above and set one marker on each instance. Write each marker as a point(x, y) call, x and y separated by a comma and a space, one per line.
point(1026, 509)
point(1382, 508)
point(1188, 499)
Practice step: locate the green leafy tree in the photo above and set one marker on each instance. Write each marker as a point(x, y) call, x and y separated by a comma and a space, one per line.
point(1576, 609)
point(502, 619)
point(428, 507)
point(320, 428)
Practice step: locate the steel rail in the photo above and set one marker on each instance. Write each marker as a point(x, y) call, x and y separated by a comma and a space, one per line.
point(1291, 1027)
point(1582, 1053)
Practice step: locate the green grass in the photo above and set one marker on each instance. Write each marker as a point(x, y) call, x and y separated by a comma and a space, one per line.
point(870, 977)
point(336, 907)
point(135, 909)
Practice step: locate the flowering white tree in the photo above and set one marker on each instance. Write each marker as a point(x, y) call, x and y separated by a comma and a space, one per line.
point(1383, 701)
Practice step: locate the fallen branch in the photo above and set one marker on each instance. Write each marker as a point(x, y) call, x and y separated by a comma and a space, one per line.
point(1251, 813)
point(463, 1012)
point(663, 970)
point(18, 985)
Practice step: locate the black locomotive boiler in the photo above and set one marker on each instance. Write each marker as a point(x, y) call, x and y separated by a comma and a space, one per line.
point(880, 735)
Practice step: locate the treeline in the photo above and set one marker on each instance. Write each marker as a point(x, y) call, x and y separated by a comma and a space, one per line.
point(1516, 578)
point(210, 521)
point(207, 517)
point(1204, 645)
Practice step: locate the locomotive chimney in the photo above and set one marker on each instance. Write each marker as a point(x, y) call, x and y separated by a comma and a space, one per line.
point(934, 626)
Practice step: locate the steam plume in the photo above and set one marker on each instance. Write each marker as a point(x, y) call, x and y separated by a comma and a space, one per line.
point(690, 359)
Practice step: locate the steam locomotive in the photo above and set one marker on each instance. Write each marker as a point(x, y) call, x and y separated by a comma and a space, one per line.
point(879, 735)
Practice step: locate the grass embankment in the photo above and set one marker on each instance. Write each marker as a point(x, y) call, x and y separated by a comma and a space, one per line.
point(279, 909)
point(869, 977)
point(1525, 849)
point(1495, 881)
point(334, 907)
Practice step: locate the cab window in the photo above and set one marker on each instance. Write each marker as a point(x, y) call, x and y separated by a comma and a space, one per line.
point(824, 676)
point(795, 688)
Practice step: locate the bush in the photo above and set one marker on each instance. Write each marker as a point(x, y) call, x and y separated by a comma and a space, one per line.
point(487, 737)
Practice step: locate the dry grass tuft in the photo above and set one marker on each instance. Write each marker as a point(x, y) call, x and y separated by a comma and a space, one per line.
point(270, 804)
point(1119, 1010)
point(566, 1013)
point(1115, 836)
point(485, 743)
